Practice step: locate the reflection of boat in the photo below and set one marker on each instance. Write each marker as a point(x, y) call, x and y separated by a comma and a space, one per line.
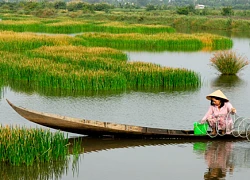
point(92, 144)
point(98, 128)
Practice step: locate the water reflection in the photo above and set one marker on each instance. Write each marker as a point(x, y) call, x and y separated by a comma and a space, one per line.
point(217, 156)
point(45, 171)
point(90, 144)
point(222, 157)
point(227, 81)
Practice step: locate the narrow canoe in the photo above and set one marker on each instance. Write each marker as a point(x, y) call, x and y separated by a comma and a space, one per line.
point(98, 128)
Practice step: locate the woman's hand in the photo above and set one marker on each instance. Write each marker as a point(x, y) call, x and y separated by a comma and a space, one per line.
point(233, 110)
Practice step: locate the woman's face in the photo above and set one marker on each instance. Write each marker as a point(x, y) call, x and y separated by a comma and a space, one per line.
point(216, 102)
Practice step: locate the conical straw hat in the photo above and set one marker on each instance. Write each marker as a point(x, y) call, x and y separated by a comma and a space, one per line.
point(217, 93)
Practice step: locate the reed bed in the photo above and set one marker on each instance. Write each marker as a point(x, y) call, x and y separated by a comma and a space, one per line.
point(152, 75)
point(12, 41)
point(117, 28)
point(20, 26)
point(240, 25)
point(52, 61)
point(178, 22)
point(46, 73)
point(163, 18)
point(22, 146)
point(73, 67)
point(157, 42)
point(215, 42)
point(77, 26)
point(68, 26)
point(76, 53)
point(136, 74)
point(23, 86)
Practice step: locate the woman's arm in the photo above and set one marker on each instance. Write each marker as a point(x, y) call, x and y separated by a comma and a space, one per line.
point(230, 108)
point(209, 113)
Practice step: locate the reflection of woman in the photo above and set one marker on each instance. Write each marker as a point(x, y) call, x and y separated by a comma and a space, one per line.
point(217, 114)
point(217, 157)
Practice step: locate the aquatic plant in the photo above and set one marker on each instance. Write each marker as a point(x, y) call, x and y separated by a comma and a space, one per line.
point(214, 42)
point(25, 146)
point(66, 25)
point(157, 42)
point(121, 27)
point(13, 41)
point(228, 62)
point(90, 68)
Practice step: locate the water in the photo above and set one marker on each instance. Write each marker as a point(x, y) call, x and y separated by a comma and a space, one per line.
point(166, 109)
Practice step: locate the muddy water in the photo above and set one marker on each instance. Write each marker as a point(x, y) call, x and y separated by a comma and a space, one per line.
point(167, 109)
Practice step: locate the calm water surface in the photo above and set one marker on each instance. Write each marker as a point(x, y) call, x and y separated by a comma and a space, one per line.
point(120, 159)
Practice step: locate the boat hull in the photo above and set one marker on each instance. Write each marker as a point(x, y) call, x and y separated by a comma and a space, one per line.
point(98, 128)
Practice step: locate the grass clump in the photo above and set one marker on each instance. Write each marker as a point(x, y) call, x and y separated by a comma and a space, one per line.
point(22, 146)
point(228, 62)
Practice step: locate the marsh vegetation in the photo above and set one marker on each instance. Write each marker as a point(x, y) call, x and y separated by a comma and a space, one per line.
point(228, 62)
point(26, 146)
point(82, 49)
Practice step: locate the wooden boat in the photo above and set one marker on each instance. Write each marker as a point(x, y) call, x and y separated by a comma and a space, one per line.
point(98, 128)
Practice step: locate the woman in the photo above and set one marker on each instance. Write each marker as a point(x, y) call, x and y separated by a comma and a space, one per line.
point(217, 115)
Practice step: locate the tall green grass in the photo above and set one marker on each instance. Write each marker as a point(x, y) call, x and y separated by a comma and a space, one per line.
point(72, 67)
point(11, 41)
point(201, 23)
point(54, 62)
point(22, 146)
point(90, 22)
point(23, 86)
point(132, 41)
point(68, 26)
point(228, 62)
point(158, 42)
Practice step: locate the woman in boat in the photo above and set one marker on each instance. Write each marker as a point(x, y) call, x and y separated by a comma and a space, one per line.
point(217, 115)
